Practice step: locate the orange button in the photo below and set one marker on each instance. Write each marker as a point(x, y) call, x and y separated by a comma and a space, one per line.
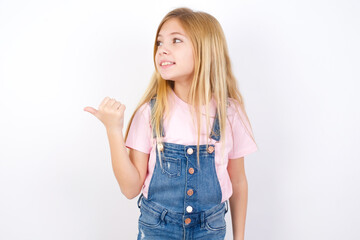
point(188, 220)
point(191, 170)
point(210, 149)
point(190, 192)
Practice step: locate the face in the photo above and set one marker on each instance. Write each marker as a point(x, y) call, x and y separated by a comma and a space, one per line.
point(174, 57)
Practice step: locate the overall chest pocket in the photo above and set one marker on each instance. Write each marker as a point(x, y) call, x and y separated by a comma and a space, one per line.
point(171, 166)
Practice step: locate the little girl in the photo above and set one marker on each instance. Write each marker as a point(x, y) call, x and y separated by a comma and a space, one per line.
point(187, 138)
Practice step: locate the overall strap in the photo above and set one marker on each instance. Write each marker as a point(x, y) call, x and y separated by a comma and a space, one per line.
point(152, 103)
point(215, 132)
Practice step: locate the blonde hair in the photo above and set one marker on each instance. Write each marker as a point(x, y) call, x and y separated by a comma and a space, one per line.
point(213, 75)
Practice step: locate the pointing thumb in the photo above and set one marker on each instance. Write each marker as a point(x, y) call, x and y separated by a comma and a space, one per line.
point(90, 110)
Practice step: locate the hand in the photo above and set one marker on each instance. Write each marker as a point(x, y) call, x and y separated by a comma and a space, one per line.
point(110, 113)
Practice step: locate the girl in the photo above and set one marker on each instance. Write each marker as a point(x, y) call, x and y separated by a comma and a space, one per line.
point(187, 138)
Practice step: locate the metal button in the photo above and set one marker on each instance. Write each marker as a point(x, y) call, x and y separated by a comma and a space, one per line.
point(210, 149)
point(189, 209)
point(190, 151)
point(190, 192)
point(191, 170)
point(160, 147)
point(188, 220)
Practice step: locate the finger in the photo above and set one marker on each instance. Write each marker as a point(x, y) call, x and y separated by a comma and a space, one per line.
point(110, 102)
point(90, 110)
point(122, 108)
point(117, 105)
point(104, 101)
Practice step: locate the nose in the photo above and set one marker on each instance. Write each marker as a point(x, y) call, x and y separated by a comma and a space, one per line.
point(162, 50)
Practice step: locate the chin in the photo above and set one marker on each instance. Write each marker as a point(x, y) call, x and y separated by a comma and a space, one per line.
point(169, 78)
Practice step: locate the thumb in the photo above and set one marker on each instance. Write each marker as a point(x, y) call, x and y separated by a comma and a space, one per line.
point(90, 110)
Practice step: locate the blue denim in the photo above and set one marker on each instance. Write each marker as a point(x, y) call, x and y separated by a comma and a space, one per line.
point(159, 223)
point(184, 199)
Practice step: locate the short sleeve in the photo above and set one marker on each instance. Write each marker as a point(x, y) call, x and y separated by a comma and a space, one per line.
point(139, 136)
point(243, 144)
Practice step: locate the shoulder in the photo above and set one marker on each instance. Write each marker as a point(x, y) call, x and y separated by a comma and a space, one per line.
point(143, 113)
point(144, 109)
point(233, 107)
point(236, 113)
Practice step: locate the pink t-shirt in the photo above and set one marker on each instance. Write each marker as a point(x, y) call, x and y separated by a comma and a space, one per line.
point(180, 129)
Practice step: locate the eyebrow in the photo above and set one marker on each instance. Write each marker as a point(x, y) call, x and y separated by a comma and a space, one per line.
point(173, 33)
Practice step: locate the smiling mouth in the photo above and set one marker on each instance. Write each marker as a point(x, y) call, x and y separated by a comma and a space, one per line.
point(166, 64)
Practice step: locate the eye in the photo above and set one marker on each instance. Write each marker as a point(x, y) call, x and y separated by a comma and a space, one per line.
point(175, 40)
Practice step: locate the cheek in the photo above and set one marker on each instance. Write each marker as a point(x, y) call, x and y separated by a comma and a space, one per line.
point(190, 60)
point(156, 61)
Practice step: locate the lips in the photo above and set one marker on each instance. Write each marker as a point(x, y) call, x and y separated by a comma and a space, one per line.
point(164, 63)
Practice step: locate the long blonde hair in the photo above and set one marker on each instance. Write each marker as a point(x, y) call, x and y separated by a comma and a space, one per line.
point(213, 76)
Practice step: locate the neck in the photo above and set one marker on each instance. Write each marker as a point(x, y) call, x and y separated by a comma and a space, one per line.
point(182, 91)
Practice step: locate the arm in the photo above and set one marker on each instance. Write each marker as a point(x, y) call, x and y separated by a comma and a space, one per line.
point(129, 168)
point(238, 200)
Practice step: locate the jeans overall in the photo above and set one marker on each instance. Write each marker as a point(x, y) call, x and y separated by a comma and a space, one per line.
point(184, 201)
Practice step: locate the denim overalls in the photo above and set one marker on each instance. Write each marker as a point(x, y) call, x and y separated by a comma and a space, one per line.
point(184, 201)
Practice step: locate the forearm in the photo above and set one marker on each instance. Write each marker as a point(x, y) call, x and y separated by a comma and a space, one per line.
point(238, 207)
point(125, 172)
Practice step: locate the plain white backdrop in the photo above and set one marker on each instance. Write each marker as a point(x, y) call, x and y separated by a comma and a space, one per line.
point(297, 64)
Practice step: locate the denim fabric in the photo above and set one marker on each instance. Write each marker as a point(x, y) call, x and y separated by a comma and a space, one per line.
point(156, 222)
point(162, 132)
point(169, 184)
point(171, 211)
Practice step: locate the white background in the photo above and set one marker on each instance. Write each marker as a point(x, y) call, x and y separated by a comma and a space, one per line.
point(297, 66)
